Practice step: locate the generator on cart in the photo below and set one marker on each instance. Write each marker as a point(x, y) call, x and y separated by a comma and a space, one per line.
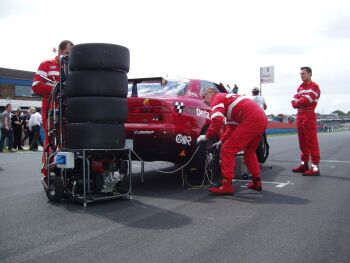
point(87, 157)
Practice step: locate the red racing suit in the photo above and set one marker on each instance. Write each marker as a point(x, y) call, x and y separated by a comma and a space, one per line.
point(48, 69)
point(305, 101)
point(251, 124)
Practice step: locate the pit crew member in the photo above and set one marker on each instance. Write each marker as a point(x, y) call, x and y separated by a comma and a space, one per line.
point(48, 69)
point(251, 124)
point(305, 101)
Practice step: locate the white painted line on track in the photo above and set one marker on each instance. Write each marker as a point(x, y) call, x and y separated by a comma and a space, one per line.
point(282, 184)
point(334, 161)
point(327, 165)
point(298, 161)
point(277, 184)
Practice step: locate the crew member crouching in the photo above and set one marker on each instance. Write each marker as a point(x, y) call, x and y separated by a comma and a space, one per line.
point(251, 124)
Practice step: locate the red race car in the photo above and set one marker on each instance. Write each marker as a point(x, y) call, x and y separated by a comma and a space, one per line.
point(166, 116)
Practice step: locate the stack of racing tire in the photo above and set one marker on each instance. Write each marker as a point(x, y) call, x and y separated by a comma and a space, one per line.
point(96, 96)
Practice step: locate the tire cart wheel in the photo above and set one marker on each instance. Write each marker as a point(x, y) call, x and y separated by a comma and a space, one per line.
point(55, 190)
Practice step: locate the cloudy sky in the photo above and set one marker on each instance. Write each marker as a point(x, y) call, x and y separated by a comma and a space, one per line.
point(222, 41)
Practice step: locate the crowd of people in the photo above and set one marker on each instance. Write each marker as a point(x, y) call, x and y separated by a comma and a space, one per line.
point(17, 127)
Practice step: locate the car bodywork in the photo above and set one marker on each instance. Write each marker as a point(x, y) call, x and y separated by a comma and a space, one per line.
point(166, 116)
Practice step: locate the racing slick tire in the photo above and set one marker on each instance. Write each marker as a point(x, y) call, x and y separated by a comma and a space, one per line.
point(55, 190)
point(99, 56)
point(97, 109)
point(94, 135)
point(263, 150)
point(96, 83)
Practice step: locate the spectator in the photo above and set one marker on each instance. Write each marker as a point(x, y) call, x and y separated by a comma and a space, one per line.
point(260, 100)
point(17, 130)
point(263, 148)
point(6, 129)
point(35, 123)
point(25, 123)
point(235, 89)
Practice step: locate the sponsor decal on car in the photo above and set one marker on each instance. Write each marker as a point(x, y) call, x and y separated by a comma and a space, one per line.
point(190, 111)
point(203, 113)
point(183, 139)
point(137, 132)
point(179, 106)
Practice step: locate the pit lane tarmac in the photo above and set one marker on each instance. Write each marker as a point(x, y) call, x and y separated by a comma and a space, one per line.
point(306, 220)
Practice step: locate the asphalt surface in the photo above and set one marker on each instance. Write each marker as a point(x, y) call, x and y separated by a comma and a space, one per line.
point(294, 219)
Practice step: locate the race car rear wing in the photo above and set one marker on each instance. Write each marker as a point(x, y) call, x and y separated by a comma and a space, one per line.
point(134, 83)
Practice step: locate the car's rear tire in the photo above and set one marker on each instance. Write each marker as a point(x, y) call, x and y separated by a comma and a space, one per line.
point(99, 56)
point(97, 83)
point(97, 109)
point(262, 152)
point(94, 135)
point(213, 159)
point(207, 158)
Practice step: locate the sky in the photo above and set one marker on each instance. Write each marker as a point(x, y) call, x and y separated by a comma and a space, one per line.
point(220, 41)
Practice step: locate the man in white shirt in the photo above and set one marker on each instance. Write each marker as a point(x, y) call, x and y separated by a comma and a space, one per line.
point(260, 100)
point(263, 148)
point(35, 123)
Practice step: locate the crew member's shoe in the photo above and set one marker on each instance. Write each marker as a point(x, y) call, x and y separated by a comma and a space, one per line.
point(314, 171)
point(303, 167)
point(255, 185)
point(225, 188)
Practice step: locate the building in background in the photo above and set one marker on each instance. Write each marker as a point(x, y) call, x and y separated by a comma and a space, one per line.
point(16, 88)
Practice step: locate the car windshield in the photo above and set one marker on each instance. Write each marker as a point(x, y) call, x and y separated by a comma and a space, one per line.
point(172, 87)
